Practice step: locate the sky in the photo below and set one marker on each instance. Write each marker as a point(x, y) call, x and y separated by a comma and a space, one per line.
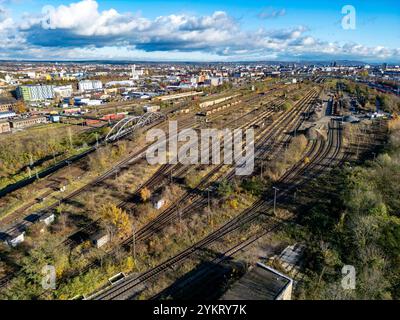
point(217, 30)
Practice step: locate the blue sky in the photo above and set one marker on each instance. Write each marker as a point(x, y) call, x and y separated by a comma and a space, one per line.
point(198, 30)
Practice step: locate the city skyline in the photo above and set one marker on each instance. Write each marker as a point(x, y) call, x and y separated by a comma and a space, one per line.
point(199, 32)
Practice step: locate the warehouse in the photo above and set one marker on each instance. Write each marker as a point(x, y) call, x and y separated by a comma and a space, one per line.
point(7, 114)
point(24, 123)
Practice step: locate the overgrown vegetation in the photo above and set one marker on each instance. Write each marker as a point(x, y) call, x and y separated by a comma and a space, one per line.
point(370, 98)
point(352, 217)
point(39, 148)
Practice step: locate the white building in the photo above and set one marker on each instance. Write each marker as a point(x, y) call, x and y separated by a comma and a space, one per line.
point(63, 91)
point(90, 85)
point(151, 108)
point(136, 73)
point(31, 74)
point(216, 81)
point(126, 83)
point(94, 102)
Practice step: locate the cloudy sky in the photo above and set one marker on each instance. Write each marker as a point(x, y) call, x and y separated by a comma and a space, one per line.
point(218, 30)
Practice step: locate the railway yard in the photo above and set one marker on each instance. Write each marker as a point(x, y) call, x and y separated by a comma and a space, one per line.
point(117, 228)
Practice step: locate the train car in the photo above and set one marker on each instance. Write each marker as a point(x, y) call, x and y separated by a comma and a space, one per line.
point(90, 122)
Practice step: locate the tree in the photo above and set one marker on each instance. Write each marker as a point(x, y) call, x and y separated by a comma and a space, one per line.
point(115, 218)
point(253, 186)
point(145, 194)
point(224, 189)
point(20, 107)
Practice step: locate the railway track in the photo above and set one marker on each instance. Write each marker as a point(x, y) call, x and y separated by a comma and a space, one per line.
point(131, 158)
point(185, 123)
point(318, 152)
point(195, 200)
point(166, 170)
point(235, 222)
point(168, 213)
point(77, 192)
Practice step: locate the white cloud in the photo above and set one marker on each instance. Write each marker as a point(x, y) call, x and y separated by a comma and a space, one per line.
point(81, 29)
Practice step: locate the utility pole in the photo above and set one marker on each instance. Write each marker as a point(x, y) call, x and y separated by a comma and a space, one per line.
point(134, 242)
point(276, 190)
point(69, 169)
point(208, 199)
point(179, 218)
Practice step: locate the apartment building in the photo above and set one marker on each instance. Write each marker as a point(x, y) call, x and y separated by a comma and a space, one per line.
point(35, 92)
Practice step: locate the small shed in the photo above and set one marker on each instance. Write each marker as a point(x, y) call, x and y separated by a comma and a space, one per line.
point(100, 239)
point(47, 218)
point(158, 201)
point(55, 118)
point(151, 108)
point(15, 238)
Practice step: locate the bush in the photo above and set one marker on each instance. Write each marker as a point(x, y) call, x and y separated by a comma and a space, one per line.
point(224, 189)
point(253, 186)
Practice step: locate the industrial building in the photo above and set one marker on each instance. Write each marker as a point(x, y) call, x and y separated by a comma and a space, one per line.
point(35, 92)
point(7, 114)
point(90, 85)
point(122, 83)
point(24, 123)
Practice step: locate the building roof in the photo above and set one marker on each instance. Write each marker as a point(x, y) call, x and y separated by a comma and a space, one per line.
point(260, 283)
point(99, 235)
point(7, 100)
point(7, 114)
point(30, 118)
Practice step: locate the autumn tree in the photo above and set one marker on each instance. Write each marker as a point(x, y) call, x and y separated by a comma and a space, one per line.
point(145, 194)
point(116, 219)
point(20, 107)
